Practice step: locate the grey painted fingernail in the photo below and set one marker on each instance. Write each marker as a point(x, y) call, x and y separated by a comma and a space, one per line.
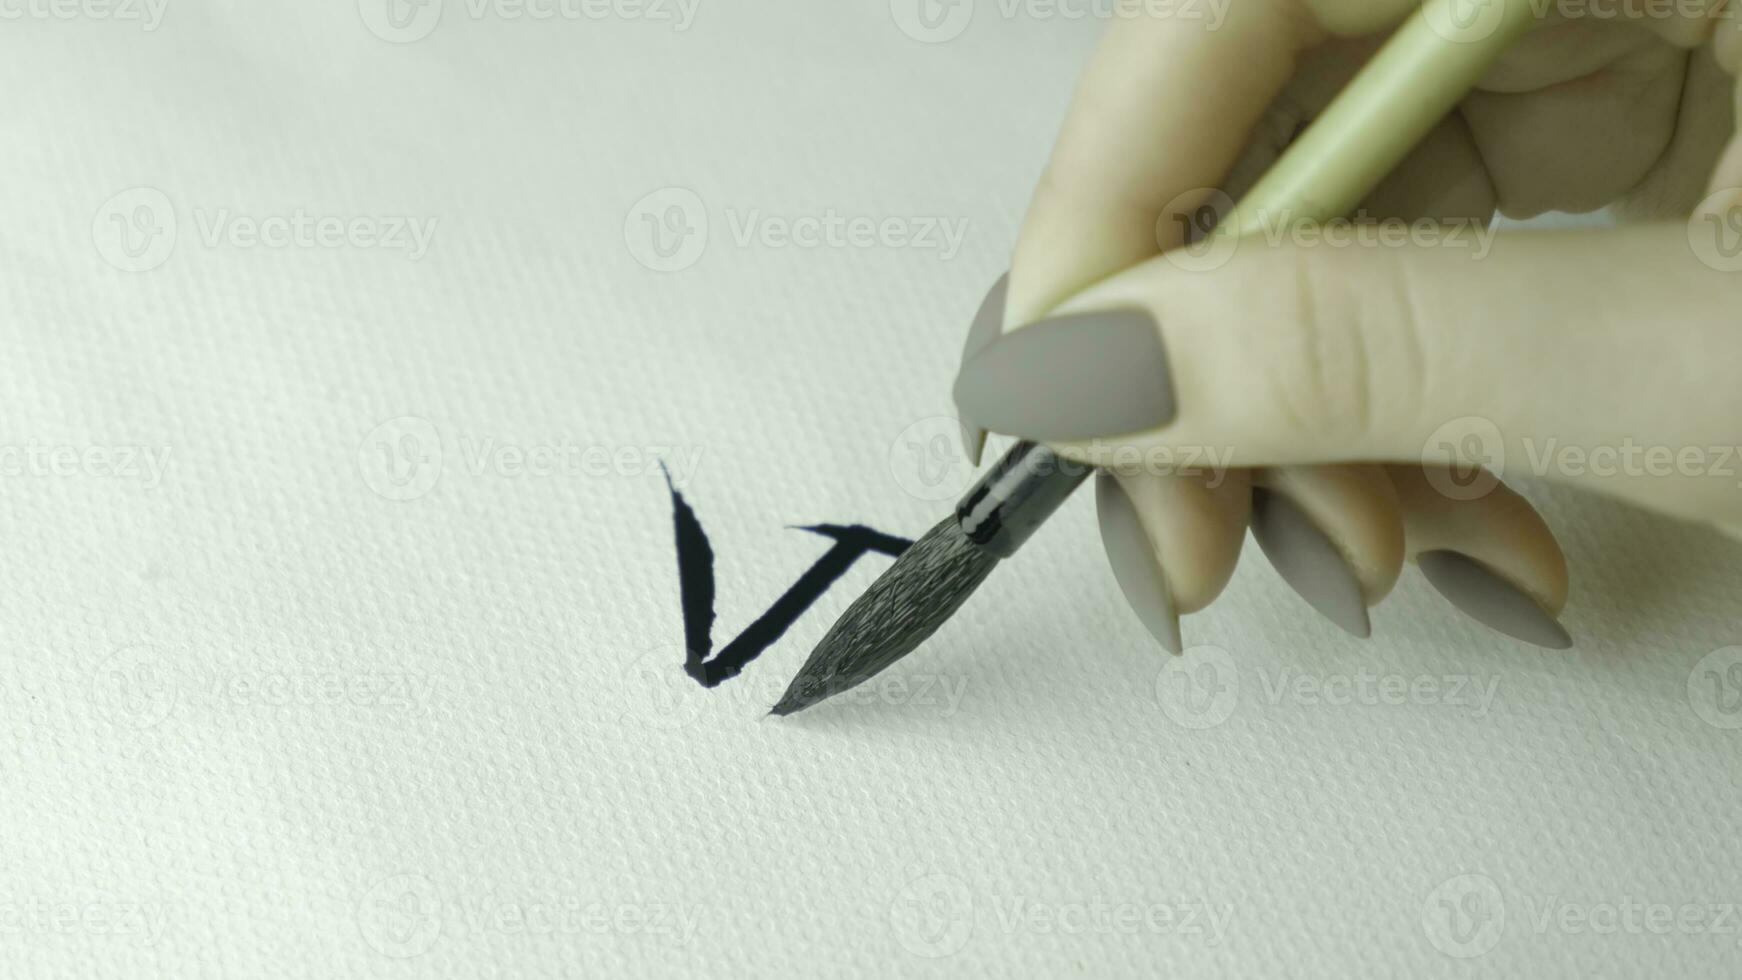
point(1071, 377)
point(1491, 600)
point(1134, 565)
point(988, 326)
point(1308, 561)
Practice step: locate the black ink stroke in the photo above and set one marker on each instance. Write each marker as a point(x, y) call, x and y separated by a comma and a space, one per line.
point(695, 571)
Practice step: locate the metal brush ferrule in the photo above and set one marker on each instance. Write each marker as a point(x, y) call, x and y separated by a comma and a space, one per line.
point(1016, 496)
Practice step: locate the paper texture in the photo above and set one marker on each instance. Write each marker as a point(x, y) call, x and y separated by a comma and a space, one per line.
point(345, 344)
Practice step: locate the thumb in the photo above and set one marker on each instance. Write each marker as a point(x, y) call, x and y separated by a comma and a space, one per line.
point(1604, 358)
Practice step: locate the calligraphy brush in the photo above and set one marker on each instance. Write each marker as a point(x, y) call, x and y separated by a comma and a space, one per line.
point(1420, 74)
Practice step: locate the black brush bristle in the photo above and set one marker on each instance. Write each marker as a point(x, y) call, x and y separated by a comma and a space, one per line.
point(924, 587)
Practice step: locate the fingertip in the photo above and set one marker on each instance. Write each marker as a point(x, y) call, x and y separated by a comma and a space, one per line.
point(1306, 558)
point(987, 326)
point(1139, 574)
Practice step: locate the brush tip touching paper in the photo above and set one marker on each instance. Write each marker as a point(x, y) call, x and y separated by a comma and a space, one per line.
point(904, 607)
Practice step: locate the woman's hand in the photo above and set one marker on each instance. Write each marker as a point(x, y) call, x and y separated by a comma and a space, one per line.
point(1335, 395)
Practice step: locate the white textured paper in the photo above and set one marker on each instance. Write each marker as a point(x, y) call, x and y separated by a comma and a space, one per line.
point(340, 609)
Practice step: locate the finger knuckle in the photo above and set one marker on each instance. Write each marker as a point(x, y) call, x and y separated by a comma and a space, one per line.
point(1342, 374)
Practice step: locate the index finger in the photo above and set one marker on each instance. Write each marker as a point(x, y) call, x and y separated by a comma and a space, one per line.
point(1166, 106)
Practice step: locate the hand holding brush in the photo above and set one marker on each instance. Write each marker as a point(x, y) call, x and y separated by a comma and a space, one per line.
point(1329, 373)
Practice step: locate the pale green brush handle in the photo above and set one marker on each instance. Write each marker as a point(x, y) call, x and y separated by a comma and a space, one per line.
point(1416, 78)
